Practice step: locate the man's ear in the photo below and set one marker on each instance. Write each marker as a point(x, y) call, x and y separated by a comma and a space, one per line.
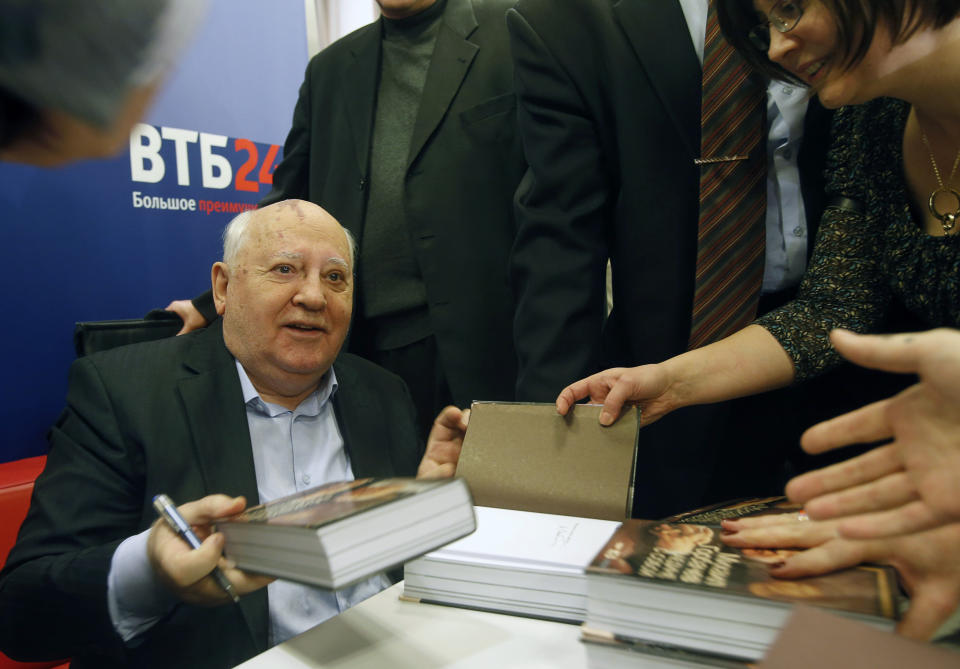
point(219, 277)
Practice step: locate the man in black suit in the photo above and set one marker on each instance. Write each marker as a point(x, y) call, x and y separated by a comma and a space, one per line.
point(405, 132)
point(609, 114)
point(258, 405)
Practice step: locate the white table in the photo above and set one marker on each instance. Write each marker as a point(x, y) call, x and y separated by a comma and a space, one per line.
point(385, 632)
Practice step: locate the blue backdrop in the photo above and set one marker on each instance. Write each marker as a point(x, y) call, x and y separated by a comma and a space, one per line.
point(116, 238)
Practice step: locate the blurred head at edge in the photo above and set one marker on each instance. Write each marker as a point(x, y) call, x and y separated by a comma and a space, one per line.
point(75, 76)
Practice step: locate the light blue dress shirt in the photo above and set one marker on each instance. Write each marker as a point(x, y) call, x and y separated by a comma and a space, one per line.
point(292, 451)
point(786, 227)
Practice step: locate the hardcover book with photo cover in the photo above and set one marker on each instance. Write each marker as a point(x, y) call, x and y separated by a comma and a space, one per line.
point(736, 508)
point(342, 532)
point(605, 651)
point(678, 584)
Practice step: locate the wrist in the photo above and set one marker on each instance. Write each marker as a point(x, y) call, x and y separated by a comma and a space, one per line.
point(680, 378)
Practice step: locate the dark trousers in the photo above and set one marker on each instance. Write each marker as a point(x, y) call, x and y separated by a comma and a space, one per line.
point(418, 364)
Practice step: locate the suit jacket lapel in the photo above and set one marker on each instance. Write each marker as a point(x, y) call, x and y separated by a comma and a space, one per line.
point(452, 57)
point(359, 81)
point(361, 427)
point(659, 35)
point(213, 403)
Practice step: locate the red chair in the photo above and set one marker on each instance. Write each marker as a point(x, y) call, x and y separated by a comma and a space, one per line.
point(16, 486)
point(17, 477)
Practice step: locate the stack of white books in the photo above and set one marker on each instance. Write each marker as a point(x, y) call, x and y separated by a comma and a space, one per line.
point(517, 562)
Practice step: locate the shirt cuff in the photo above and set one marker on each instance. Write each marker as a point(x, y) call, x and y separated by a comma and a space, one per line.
point(136, 598)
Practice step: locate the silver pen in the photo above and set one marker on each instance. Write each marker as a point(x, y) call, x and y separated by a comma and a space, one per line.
point(166, 509)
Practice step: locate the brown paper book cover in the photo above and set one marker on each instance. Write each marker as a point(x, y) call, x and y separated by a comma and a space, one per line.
point(816, 638)
point(526, 456)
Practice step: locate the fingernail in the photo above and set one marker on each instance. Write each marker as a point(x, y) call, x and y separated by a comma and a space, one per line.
point(605, 418)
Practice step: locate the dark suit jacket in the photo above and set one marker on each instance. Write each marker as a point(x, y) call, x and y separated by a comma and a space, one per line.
point(465, 162)
point(609, 114)
point(165, 416)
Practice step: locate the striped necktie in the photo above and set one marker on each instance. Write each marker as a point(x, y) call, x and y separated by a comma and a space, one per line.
point(730, 241)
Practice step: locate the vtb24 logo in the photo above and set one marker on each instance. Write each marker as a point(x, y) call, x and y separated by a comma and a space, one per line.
point(148, 145)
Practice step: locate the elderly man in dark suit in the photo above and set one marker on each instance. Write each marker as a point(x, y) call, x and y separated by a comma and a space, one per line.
point(259, 405)
point(405, 131)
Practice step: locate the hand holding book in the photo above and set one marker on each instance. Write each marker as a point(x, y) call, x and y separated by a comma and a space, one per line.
point(649, 386)
point(926, 561)
point(342, 532)
point(187, 571)
point(747, 362)
point(675, 583)
point(444, 443)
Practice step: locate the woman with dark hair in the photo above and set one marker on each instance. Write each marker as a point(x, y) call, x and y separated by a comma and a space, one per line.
point(888, 245)
point(888, 242)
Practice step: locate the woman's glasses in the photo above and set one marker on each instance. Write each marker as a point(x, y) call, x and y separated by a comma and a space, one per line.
point(784, 17)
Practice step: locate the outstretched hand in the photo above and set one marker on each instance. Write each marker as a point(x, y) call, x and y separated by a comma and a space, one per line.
point(910, 484)
point(646, 386)
point(444, 443)
point(746, 362)
point(926, 561)
point(187, 571)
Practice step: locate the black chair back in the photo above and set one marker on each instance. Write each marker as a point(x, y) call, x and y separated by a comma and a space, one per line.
point(92, 336)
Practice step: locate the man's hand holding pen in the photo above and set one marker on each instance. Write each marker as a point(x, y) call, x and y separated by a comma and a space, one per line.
point(188, 571)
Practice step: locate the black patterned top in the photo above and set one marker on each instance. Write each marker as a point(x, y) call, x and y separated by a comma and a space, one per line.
point(864, 264)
